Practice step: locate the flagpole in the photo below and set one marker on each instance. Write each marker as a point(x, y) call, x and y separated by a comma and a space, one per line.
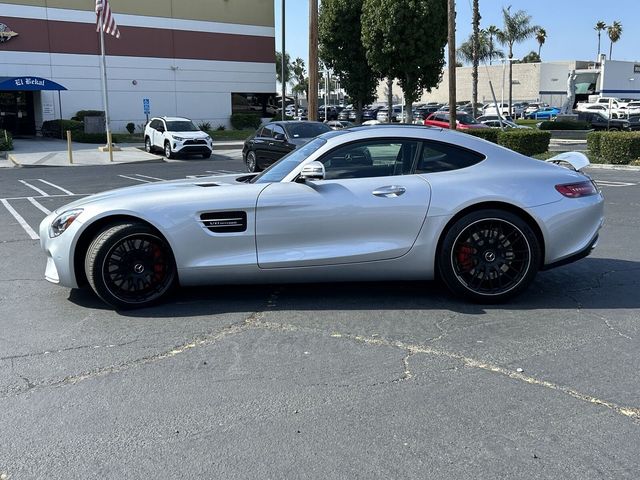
point(105, 94)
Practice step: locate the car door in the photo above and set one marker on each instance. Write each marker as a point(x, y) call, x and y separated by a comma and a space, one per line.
point(279, 145)
point(261, 144)
point(158, 134)
point(369, 207)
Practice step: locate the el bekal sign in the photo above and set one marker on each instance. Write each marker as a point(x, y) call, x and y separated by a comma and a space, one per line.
point(28, 83)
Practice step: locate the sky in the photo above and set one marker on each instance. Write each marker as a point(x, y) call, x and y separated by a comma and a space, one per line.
point(569, 25)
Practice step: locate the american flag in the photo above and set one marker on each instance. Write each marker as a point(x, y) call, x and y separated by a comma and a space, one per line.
point(106, 19)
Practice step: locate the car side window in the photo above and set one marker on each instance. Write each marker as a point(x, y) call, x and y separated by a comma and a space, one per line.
point(443, 157)
point(277, 129)
point(370, 158)
point(155, 124)
point(267, 131)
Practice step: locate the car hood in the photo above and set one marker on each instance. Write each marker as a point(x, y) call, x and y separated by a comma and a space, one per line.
point(159, 190)
point(191, 135)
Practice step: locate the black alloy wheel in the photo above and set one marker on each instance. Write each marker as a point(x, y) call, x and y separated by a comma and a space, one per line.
point(489, 256)
point(130, 266)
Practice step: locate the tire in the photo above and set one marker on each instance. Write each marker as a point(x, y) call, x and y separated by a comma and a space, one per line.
point(252, 162)
point(168, 153)
point(130, 266)
point(147, 145)
point(489, 256)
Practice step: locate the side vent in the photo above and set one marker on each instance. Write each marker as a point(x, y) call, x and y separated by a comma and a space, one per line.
point(224, 222)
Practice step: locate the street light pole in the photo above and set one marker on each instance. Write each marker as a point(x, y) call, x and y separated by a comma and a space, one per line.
point(283, 59)
point(313, 60)
point(451, 17)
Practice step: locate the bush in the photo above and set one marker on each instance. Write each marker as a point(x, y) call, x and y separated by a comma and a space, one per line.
point(564, 125)
point(79, 116)
point(204, 126)
point(527, 142)
point(490, 134)
point(221, 128)
point(593, 145)
point(58, 128)
point(131, 127)
point(619, 147)
point(6, 140)
point(240, 121)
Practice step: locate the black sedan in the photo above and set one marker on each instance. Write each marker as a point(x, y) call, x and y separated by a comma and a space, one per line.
point(275, 139)
point(599, 121)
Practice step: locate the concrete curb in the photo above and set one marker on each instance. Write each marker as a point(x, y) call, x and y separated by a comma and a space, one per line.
point(608, 166)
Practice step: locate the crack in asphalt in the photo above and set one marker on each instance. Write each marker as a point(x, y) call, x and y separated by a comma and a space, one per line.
point(67, 349)
point(254, 321)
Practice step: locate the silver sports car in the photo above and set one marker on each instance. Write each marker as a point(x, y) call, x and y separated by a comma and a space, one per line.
point(367, 203)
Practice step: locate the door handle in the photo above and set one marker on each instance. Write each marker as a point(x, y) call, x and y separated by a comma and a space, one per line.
point(390, 191)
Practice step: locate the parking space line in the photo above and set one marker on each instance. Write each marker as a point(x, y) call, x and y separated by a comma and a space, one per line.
point(64, 190)
point(146, 176)
point(222, 171)
point(610, 183)
point(21, 221)
point(41, 192)
point(39, 206)
point(136, 179)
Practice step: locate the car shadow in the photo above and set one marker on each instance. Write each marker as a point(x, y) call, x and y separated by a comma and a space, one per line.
point(592, 283)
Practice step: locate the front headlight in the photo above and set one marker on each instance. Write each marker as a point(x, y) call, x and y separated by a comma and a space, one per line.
point(180, 139)
point(63, 221)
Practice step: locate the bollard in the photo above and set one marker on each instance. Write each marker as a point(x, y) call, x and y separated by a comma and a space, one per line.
point(110, 144)
point(69, 147)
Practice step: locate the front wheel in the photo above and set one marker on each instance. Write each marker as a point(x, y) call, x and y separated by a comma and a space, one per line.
point(130, 266)
point(489, 256)
point(148, 147)
point(168, 153)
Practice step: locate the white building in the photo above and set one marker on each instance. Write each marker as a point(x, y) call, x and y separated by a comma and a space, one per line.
point(186, 57)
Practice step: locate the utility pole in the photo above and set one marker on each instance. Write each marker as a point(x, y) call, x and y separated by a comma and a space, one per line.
point(284, 62)
point(313, 60)
point(476, 55)
point(452, 62)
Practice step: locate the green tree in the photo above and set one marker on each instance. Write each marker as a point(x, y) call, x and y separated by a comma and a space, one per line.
point(464, 52)
point(405, 39)
point(615, 32)
point(600, 26)
point(300, 83)
point(342, 50)
point(287, 67)
point(517, 28)
point(531, 57)
point(492, 32)
point(541, 37)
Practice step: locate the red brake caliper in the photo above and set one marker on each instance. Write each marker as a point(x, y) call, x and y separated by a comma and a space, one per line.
point(158, 267)
point(464, 257)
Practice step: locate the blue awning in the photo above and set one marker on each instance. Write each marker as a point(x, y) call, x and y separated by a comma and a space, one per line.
point(28, 84)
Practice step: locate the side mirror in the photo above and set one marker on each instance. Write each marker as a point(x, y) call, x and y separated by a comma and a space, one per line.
point(279, 137)
point(312, 171)
point(160, 129)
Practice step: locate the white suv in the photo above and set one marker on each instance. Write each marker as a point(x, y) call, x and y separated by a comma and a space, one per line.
point(175, 136)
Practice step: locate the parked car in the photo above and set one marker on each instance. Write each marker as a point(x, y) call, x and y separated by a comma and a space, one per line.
point(491, 109)
point(339, 124)
point(600, 121)
point(276, 139)
point(631, 109)
point(383, 114)
point(370, 113)
point(344, 114)
point(533, 107)
point(464, 121)
point(423, 112)
point(506, 124)
point(546, 113)
point(347, 206)
point(485, 118)
point(176, 136)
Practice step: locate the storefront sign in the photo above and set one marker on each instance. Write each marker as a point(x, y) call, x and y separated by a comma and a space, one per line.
point(6, 33)
point(48, 108)
point(28, 84)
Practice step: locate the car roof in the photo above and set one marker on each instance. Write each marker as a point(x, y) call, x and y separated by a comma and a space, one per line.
point(173, 119)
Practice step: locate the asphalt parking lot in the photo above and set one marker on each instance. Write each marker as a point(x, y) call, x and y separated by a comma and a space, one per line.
point(384, 380)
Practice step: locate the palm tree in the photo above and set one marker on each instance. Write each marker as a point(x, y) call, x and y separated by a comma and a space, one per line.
point(464, 53)
point(287, 69)
point(615, 32)
point(541, 36)
point(492, 32)
point(475, 54)
point(600, 26)
point(517, 28)
point(298, 69)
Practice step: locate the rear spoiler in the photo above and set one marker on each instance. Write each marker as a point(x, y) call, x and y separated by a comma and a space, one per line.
point(577, 160)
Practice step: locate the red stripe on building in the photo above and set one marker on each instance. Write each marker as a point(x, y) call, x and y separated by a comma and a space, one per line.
point(81, 38)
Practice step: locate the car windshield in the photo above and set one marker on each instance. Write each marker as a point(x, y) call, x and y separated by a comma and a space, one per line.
point(306, 129)
point(466, 119)
point(181, 126)
point(280, 169)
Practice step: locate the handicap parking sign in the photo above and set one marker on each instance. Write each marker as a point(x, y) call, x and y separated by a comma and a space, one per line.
point(146, 105)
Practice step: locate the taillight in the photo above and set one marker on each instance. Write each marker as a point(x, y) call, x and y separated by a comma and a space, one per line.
point(577, 190)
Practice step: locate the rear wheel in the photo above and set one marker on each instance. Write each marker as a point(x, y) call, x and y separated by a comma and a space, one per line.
point(489, 256)
point(130, 266)
point(252, 162)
